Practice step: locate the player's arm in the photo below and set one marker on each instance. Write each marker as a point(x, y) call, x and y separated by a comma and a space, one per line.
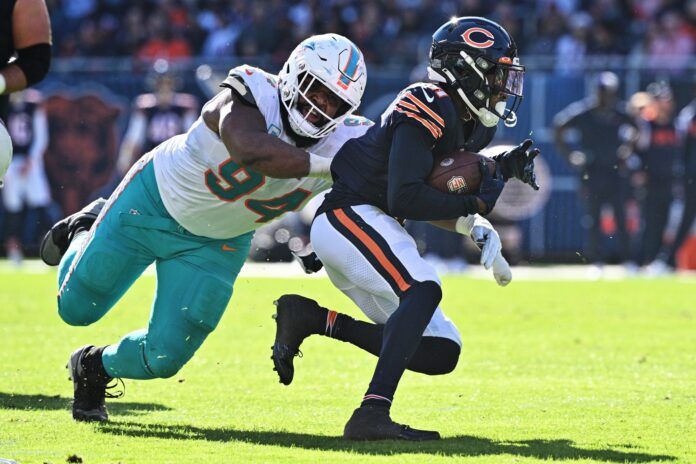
point(242, 128)
point(31, 29)
point(132, 141)
point(408, 196)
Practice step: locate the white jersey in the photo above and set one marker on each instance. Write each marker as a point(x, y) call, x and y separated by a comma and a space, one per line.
point(210, 195)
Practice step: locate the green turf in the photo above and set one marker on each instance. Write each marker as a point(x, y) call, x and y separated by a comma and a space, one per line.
point(555, 371)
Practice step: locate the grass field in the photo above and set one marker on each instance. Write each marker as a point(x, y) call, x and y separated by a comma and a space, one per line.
point(550, 371)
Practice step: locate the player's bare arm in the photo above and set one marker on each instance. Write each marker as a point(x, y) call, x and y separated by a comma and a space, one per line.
point(242, 129)
point(32, 40)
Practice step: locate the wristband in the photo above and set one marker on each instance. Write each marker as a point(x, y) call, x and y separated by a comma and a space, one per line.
point(465, 223)
point(319, 166)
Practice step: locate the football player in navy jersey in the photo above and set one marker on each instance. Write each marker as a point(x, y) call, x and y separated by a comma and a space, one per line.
point(380, 176)
point(156, 117)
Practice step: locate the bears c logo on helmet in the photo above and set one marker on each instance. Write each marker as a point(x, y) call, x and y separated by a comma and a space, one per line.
point(470, 41)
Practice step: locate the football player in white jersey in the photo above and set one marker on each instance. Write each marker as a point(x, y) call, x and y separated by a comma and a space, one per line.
point(261, 147)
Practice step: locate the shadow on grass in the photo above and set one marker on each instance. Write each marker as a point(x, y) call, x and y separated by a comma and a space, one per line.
point(462, 445)
point(56, 402)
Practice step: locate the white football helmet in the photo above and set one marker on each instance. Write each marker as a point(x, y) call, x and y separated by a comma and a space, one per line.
point(333, 61)
point(5, 151)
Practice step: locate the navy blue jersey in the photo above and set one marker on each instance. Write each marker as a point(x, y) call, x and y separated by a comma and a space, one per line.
point(164, 121)
point(660, 154)
point(687, 126)
point(361, 167)
point(20, 123)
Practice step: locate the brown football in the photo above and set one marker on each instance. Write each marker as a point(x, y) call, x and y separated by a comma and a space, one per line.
point(459, 172)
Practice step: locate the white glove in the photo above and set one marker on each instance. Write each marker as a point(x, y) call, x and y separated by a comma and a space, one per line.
point(501, 270)
point(483, 233)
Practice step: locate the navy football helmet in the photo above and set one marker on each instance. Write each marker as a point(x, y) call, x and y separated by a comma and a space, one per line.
point(478, 59)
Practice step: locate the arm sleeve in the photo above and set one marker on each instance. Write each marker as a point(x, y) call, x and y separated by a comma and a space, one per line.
point(409, 197)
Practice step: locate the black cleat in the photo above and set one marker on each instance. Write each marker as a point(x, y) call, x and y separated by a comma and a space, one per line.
point(57, 240)
point(89, 385)
point(374, 423)
point(296, 318)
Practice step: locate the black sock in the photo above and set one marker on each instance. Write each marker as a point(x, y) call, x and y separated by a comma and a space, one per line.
point(362, 334)
point(434, 356)
point(92, 363)
point(402, 336)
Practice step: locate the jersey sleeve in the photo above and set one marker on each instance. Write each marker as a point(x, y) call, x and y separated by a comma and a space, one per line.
point(251, 85)
point(350, 128)
point(240, 88)
point(424, 106)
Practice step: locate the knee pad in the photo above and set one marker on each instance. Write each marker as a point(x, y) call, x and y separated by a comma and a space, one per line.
point(206, 303)
point(437, 356)
point(428, 289)
point(77, 308)
point(450, 357)
point(164, 358)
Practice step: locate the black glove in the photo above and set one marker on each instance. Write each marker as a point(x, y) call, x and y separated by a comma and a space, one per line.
point(491, 186)
point(310, 262)
point(519, 163)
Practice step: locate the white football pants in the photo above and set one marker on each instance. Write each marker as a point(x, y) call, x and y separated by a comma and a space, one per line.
point(371, 258)
point(31, 188)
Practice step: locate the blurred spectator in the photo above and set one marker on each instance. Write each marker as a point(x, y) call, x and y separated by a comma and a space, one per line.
point(686, 125)
point(668, 44)
point(155, 117)
point(658, 146)
point(388, 31)
point(550, 27)
point(572, 47)
point(603, 135)
point(25, 182)
point(164, 42)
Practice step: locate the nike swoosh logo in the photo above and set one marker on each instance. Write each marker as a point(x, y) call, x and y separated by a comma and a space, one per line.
point(428, 97)
point(226, 247)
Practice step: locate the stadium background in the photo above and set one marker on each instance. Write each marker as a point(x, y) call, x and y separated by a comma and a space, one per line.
point(106, 52)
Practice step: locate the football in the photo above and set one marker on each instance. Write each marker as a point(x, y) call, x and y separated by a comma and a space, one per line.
point(459, 172)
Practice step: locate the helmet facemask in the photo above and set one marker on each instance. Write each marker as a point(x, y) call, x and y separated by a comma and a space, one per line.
point(298, 102)
point(481, 82)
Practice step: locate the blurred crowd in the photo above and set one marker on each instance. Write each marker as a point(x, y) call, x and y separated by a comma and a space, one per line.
point(636, 162)
point(661, 32)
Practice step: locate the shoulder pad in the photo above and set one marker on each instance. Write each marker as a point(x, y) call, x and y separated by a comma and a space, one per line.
point(427, 105)
point(249, 83)
point(145, 101)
